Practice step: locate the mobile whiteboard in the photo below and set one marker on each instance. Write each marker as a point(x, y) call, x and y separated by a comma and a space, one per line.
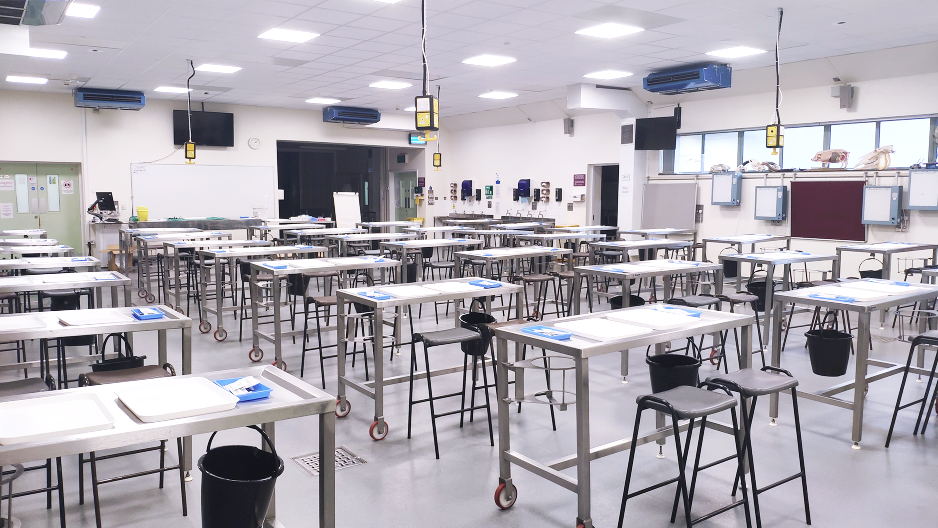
point(199, 191)
point(348, 210)
point(923, 189)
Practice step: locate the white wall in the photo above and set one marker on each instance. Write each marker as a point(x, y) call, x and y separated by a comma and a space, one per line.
point(538, 150)
point(48, 128)
point(906, 96)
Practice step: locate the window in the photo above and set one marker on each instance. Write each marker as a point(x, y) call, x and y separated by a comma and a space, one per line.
point(858, 139)
point(801, 144)
point(687, 156)
point(721, 149)
point(754, 146)
point(909, 138)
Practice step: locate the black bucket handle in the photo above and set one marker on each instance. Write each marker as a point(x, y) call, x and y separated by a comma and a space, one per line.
point(869, 258)
point(122, 338)
point(256, 428)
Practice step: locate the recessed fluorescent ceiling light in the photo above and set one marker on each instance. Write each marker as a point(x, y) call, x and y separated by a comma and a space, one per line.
point(607, 75)
point(488, 60)
point(609, 30)
point(735, 52)
point(288, 35)
point(498, 95)
point(172, 89)
point(390, 85)
point(389, 1)
point(323, 100)
point(26, 80)
point(82, 10)
point(410, 109)
point(217, 68)
point(46, 54)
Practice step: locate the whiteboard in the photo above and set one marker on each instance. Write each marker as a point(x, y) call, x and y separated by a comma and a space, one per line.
point(722, 188)
point(767, 202)
point(199, 191)
point(669, 205)
point(877, 204)
point(923, 189)
point(348, 210)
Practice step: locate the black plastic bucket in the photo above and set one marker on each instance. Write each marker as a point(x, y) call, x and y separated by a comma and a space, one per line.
point(730, 269)
point(871, 274)
point(237, 484)
point(829, 351)
point(472, 320)
point(757, 288)
point(616, 302)
point(668, 371)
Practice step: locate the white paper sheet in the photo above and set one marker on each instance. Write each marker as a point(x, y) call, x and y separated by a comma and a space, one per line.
point(406, 291)
point(454, 287)
point(92, 317)
point(602, 329)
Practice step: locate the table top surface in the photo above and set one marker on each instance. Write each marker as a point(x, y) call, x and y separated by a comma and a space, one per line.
point(326, 231)
point(270, 250)
point(650, 243)
point(217, 243)
point(290, 398)
point(54, 281)
point(392, 223)
point(709, 321)
point(46, 325)
point(574, 229)
point(838, 295)
point(271, 221)
point(47, 249)
point(49, 262)
point(158, 230)
point(469, 221)
point(289, 267)
point(28, 242)
point(746, 239)
point(372, 236)
point(496, 232)
point(779, 257)
point(432, 242)
point(658, 231)
point(423, 292)
point(888, 247)
point(522, 225)
point(561, 236)
point(284, 227)
point(147, 240)
point(23, 232)
point(649, 268)
point(512, 252)
point(436, 229)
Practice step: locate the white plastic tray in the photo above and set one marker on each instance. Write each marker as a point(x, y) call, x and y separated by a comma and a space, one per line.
point(406, 291)
point(602, 329)
point(857, 294)
point(51, 417)
point(169, 399)
point(454, 287)
point(653, 319)
point(888, 289)
point(20, 323)
point(92, 317)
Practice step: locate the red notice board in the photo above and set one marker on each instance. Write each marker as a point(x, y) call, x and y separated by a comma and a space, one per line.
point(829, 210)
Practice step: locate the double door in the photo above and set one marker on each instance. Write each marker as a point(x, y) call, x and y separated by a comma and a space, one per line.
point(43, 196)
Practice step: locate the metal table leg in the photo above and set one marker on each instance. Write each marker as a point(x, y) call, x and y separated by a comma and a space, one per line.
point(220, 333)
point(583, 443)
point(859, 389)
point(379, 429)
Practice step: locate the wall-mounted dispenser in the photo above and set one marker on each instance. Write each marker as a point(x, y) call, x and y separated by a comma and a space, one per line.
point(489, 191)
point(478, 195)
point(514, 194)
point(466, 189)
point(524, 188)
point(558, 195)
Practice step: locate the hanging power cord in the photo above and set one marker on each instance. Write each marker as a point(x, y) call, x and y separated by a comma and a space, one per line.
point(423, 46)
point(190, 145)
point(778, 76)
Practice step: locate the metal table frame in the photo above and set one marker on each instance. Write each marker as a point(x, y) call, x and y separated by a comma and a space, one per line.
point(126, 240)
point(292, 235)
point(341, 240)
point(147, 243)
point(291, 398)
point(425, 232)
point(375, 389)
point(294, 267)
point(415, 247)
point(886, 252)
point(29, 233)
point(382, 227)
point(583, 229)
point(171, 260)
point(76, 281)
point(28, 242)
point(223, 257)
point(738, 241)
point(576, 238)
point(45, 250)
point(263, 231)
point(770, 260)
point(652, 245)
point(665, 232)
point(49, 262)
point(580, 350)
point(508, 237)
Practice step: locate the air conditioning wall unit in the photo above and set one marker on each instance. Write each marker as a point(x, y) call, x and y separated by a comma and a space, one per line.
point(350, 115)
point(689, 78)
point(109, 99)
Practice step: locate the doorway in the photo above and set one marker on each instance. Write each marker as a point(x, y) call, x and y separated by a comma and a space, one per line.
point(404, 206)
point(43, 196)
point(609, 195)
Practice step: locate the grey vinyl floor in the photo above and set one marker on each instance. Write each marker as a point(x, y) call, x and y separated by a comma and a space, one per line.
point(403, 485)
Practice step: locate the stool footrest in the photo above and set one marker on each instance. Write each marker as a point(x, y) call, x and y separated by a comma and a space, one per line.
point(716, 512)
point(780, 482)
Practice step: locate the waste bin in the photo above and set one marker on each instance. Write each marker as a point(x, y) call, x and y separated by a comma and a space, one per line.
point(472, 320)
point(143, 213)
point(829, 351)
point(668, 371)
point(238, 483)
point(615, 303)
point(757, 288)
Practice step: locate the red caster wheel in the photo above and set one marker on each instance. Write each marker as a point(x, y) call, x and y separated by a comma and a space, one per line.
point(151, 298)
point(141, 293)
point(342, 411)
point(221, 334)
point(505, 498)
point(282, 365)
point(714, 357)
point(936, 407)
point(255, 355)
point(205, 327)
point(374, 434)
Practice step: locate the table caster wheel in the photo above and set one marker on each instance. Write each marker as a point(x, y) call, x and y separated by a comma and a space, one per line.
point(936, 407)
point(151, 298)
point(221, 334)
point(282, 365)
point(374, 434)
point(141, 293)
point(504, 497)
point(341, 411)
point(255, 355)
point(205, 327)
point(714, 357)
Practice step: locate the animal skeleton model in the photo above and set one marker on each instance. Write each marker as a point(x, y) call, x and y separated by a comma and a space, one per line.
point(826, 157)
point(876, 160)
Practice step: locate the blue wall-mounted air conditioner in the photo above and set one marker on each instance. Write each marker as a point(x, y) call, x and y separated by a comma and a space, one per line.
point(690, 78)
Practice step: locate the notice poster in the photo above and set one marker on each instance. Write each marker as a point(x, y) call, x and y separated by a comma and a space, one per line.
point(6, 210)
point(68, 186)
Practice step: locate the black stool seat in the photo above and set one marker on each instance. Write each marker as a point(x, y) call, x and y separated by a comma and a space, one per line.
point(442, 264)
point(689, 402)
point(695, 301)
point(60, 293)
point(737, 298)
point(537, 277)
point(20, 387)
point(327, 300)
point(446, 337)
point(7, 296)
point(119, 376)
point(565, 274)
point(580, 254)
point(750, 382)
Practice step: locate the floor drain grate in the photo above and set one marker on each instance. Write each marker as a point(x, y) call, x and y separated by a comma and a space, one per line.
point(344, 458)
point(883, 339)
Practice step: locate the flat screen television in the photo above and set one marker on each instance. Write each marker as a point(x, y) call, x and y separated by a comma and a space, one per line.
point(656, 133)
point(209, 129)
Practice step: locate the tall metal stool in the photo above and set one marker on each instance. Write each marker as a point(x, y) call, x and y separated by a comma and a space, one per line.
point(440, 338)
point(688, 403)
point(928, 338)
point(734, 299)
point(751, 383)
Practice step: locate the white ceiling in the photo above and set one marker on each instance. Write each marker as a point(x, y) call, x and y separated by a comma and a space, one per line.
point(139, 45)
